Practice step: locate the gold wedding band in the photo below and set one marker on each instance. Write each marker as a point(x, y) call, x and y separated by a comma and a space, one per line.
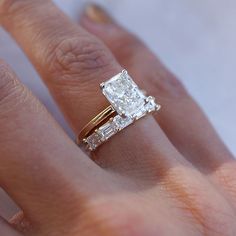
point(97, 121)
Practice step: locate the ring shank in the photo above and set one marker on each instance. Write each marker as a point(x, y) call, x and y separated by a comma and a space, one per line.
point(97, 121)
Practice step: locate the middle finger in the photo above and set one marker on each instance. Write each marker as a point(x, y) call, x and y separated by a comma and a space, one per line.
point(73, 64)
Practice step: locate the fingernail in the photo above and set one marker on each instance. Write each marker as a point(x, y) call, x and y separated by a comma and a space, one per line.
point(96, 14)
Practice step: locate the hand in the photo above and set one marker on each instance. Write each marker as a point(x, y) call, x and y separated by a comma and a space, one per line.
point(166, 175)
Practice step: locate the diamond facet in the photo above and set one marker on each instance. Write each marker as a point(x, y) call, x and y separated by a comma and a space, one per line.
point(121, 122)
point(108, 130)
point(124, 95)
point(151, 104)
point(141, 113)
point(93, 141)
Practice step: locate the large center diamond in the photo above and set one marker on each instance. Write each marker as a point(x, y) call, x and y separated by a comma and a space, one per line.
point(124, 95)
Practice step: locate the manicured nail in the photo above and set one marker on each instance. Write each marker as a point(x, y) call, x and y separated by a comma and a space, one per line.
point(97, 14)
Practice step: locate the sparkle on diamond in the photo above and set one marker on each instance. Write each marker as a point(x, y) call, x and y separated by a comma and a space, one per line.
point(124, 95)
point(107, 131)
point(93, 141)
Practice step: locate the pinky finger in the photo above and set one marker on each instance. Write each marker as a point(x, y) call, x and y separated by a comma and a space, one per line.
point(7, 230)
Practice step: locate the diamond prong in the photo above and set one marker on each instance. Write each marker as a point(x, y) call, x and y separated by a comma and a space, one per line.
point(124, 72)
point(150, 98)
point(102, 85)
point(158, 107)
point(133, 117)
point(85, 141)
point(123, 115)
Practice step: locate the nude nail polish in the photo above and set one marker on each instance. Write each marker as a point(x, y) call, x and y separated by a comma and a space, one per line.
point(96, 14)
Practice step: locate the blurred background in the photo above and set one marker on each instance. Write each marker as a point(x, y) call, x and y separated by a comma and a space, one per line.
point(195, 39)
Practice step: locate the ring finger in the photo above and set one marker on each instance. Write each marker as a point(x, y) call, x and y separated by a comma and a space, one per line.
point(181, 118)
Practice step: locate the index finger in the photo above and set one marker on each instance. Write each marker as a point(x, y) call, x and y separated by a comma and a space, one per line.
point(37, 159)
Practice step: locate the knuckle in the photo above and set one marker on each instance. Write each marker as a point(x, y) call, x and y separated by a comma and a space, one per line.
point(126, 44)
point(209, 214)
point(226, 175)
point(12, 92)
point(101, 215)
point(77, 58)
point(8, 7)
point(7, 81)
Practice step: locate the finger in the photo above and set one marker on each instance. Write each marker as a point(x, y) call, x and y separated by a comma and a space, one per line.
point(6, 229)
point(73, 64)
point(181, 118)
point(40, 167)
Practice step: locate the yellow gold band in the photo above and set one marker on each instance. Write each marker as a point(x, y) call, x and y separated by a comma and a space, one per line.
point(97, 121)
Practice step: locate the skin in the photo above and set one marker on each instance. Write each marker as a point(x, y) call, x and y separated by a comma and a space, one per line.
point(169, 174)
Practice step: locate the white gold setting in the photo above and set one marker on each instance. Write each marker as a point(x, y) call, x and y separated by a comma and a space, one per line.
point(130, 103)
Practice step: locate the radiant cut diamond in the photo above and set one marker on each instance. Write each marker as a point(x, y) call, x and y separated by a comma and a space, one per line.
point(124, 95)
